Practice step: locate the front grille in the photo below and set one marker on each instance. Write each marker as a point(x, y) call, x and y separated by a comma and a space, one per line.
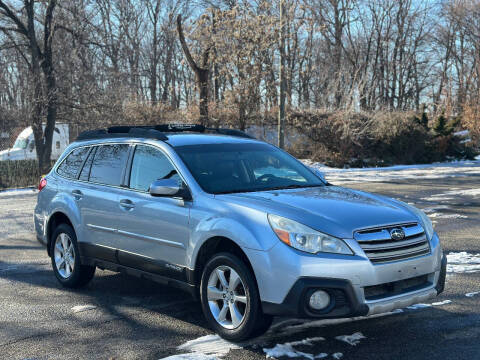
point(380, 247)
point(381, 291)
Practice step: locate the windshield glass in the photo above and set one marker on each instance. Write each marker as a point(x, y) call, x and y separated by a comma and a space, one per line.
point(21, 143)
point(229, 168)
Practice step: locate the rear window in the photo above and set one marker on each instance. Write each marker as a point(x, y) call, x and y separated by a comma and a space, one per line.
point(70, 167)
point(108, 164)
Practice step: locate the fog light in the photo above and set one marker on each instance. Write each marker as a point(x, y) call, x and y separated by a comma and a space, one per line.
point(319, 300)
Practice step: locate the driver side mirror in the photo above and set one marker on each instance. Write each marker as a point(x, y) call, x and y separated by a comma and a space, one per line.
point(169, 188)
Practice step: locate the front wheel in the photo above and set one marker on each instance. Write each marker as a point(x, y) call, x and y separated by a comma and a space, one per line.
point(230, 299)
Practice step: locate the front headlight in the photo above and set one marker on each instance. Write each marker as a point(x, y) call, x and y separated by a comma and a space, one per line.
point(427, 223)
point(303, 238)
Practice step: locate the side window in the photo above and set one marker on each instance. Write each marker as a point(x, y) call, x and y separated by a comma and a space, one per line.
point(85, 173)
point(72, 163)
point(108, 164)
point(150, 164)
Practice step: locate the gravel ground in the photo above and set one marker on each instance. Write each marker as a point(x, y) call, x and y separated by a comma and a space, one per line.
point(130, 318)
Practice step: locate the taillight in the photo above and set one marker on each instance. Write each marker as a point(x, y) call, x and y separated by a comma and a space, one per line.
point(42, 184)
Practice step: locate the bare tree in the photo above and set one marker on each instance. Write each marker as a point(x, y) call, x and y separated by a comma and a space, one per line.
point(39, 58)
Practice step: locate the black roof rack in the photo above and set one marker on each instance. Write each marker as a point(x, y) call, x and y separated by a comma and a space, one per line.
point(155, 131)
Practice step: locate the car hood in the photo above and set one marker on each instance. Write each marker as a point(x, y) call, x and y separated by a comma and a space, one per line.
point(331, 209)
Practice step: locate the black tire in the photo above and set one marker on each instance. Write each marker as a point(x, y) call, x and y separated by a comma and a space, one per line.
point(81, 274)
point(254, 322)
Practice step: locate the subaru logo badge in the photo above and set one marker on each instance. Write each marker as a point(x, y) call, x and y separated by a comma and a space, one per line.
point(397, 234)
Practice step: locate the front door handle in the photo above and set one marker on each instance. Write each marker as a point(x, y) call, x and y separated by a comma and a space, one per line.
point(127, 204)
point(77, 194)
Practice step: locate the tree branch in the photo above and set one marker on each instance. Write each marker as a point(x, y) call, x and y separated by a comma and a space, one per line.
point(9, 13)
point(186, 51)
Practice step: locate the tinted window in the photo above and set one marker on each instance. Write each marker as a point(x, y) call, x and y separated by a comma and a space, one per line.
point(224, 168)
point(150, 164)
point(72, 163)
point(108, 164)
point(84, 174)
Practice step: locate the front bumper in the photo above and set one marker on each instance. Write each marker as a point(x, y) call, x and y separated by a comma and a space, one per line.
point(345, 277)
point(344, 301)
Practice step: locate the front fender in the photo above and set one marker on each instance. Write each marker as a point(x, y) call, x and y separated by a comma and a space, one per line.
point(257, 236)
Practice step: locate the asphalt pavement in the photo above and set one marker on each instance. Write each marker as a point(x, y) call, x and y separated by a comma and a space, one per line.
point(121, 317)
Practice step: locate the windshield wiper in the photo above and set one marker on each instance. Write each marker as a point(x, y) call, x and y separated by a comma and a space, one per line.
point(292, 186)
point(235, 191)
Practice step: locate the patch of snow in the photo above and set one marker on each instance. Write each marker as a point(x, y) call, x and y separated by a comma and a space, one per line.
point(450, 195)
point(461, 133)
point(81, 308)
point(438, 198)
point(447, 216)
point(468, 192)
point(353, 339)
point(393, 173)
point(287, 349)
point(337, 355)
point(212, 345)
point(15, 192)
point(463, 262)
point(472, 294)
point(190, 356)
point(418, 306)
point(440, 303)
point(433, 209)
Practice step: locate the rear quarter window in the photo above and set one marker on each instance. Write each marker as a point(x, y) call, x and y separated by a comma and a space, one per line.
point(85, 173)
point(70, 167)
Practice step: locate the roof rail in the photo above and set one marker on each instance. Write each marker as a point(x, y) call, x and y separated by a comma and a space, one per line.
point(148, 132)
point(155, 131)
point(201, 129)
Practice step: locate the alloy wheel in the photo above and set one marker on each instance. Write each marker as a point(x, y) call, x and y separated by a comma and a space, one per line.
point(227, 297)
point(64, 255)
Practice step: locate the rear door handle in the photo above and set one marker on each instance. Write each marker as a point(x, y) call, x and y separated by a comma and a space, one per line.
point(77, 194)
point(127, 204)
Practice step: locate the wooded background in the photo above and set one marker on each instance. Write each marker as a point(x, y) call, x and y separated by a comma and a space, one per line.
point(363, 78)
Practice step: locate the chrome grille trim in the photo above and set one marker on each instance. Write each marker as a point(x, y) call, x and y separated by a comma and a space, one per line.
point(380, 248)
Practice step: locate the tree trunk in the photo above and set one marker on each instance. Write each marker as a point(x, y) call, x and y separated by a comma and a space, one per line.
point(201, 73)
point(281, 109)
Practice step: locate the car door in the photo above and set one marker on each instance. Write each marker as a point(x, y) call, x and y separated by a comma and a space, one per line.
point(154, 230)
point(97, 193)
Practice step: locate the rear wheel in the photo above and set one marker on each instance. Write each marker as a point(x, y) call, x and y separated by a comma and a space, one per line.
point(230, 299)
point(66, 259)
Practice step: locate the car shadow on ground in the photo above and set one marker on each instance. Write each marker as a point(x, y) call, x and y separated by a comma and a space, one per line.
point(110, 291)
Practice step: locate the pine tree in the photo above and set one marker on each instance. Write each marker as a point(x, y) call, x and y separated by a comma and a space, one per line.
point(440, 126)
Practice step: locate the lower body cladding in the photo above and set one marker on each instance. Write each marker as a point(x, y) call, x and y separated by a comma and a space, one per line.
point(338, 286)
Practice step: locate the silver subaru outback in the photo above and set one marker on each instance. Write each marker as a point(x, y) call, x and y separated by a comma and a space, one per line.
point(239, 223)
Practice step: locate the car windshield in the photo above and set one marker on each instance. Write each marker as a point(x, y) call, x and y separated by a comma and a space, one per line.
point(21, 143)
point(245, 167)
